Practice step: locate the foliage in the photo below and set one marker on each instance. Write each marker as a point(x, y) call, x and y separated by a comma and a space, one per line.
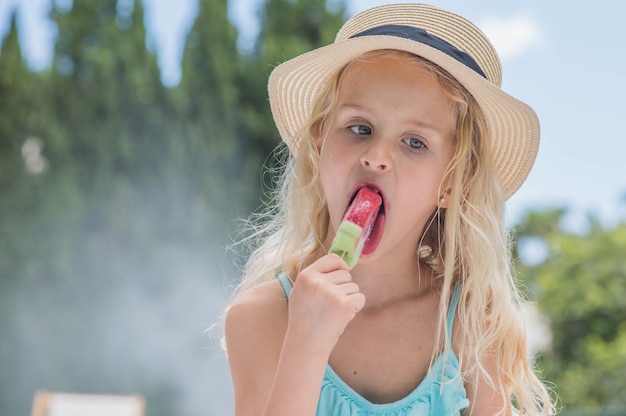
point(288, 28)
point(580, 285)
point(119, 195)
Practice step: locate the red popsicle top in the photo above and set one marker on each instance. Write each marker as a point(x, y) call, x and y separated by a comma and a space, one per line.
point(363, 209)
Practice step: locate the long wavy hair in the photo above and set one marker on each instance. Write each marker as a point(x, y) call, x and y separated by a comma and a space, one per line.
point(466, 243)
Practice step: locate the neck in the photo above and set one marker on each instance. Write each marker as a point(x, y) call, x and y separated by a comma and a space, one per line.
point(383, 283)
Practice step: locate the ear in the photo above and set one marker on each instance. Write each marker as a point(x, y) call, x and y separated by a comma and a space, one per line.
point(318, 141)
point(319, 132)
point(443, 199)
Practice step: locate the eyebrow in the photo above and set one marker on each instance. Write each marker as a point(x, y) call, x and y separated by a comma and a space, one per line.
point(348, 106)
point(351, 106)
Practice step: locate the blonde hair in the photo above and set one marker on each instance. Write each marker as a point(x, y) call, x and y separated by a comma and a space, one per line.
point(466, 243)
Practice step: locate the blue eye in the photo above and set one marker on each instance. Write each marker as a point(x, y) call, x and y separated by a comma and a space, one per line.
point(414, 143)
point(361, 129)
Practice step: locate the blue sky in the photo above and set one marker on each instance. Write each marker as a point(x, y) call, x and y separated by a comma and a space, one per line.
point(566, 59)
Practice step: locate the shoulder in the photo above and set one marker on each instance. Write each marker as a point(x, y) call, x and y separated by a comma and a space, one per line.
point(255, 328)
point(257, 311)
point(255, 325)
point(264, 294)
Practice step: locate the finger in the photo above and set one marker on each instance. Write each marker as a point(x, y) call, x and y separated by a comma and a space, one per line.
point(338, 277)
point(333, 268)
point(332, 262)
point(348, 288)
point(358, 301)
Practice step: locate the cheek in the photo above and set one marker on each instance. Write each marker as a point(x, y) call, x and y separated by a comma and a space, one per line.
point(334, 173)
point(330, 159)
point(330, 172)
point(335, 170)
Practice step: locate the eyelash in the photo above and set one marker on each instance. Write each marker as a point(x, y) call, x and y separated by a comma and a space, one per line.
point(409, 140)
point(355, 129)
point(358, 130)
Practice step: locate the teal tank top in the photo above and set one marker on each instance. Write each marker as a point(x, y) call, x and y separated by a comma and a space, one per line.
point(441, 393)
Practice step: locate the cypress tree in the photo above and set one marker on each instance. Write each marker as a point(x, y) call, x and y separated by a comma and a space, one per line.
point(288, 28)
point(207, 106)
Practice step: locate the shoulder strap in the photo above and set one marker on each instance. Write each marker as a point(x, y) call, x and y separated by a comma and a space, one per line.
point(284, 281)
point(456, 294)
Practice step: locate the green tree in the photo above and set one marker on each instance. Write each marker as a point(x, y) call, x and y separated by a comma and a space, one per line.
point(108, 93)
point(14, 79)
point(580, 284)
point(216, 175)
point(14, 124)
point(88, 225)
point(19, 120)
point(288, 28)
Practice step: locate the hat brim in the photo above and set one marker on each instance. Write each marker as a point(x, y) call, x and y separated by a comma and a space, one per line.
point(512, 125)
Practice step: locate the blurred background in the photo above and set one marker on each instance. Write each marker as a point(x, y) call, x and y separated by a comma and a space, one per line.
point(132, 140)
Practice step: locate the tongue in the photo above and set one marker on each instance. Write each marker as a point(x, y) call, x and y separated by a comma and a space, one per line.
point(356, 226)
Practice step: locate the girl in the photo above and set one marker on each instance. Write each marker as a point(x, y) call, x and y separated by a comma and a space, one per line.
point(405, 102)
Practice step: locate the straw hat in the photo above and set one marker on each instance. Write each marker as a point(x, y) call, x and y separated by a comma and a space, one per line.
point(448, 40)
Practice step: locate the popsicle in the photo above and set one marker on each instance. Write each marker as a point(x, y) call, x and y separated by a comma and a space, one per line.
point(356, 226)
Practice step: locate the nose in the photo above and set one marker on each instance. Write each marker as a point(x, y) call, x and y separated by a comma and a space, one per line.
point(377, 157)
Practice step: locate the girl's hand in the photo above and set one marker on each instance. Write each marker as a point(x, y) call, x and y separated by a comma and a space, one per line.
point(323, 301)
